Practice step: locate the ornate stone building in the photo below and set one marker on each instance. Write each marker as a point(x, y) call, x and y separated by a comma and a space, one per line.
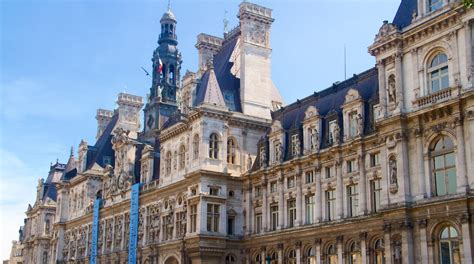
point(375, 169)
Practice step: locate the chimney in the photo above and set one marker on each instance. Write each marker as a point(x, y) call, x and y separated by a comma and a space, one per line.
point(103, 118)
point(129, 107)
point(207, 46)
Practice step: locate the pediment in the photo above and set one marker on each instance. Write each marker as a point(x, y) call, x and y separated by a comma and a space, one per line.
point(352, 95)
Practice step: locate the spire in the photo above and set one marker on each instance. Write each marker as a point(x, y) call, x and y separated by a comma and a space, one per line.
point(72, 152)
point(71, 163)
point(213, 94)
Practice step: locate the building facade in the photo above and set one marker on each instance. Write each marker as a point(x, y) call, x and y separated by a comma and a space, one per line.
point(375, 169)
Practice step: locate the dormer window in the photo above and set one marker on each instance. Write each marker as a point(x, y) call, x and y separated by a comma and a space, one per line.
point(295, 145)
point(332, 128)
point(434, 5)
point(353, 123)
point(438, 73)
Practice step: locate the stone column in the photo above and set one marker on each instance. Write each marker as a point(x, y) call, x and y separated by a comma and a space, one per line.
point(263, 254)
point(362, 185)
point(340, 250)
point(470, 124)
point(469, 53)
point(423, 184)
point(423, 241)
point(384, 179)
point(339, 190)
point(299, 197)
point(453, 39)
point(407, 242)
point(298, 252)
point(248, 196)
point(112, 244)
point(317, 243)
point(416, 81)
point(466, 239)
point(461, 156)
point(145, 227)
point(318, 196)
point(363, 247)
point(388, 248)
point(265, 215)
point(399, 81)
point(403, 169)
point(382, 90)
point(280, 253)
point(281, 201)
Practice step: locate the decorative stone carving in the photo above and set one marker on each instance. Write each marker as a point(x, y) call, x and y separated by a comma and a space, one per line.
point(385, 30)
point(249, 163)
point(360, 125)
point(392, 92)
point(393, 175)
point(314, 136)
point(336, 133)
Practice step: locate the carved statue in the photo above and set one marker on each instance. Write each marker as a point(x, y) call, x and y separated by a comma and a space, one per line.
point(360, 125)
point(393, 171)
point(315, 139)
point(278, 152)
point(397, 252)
point(249, 162)
point(263, 158)
point(392, 93)
point(336, 133)
point(280, 149)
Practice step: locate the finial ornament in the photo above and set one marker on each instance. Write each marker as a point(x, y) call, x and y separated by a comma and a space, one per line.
point(72, 151)
point(169, 4)
point(226, 22)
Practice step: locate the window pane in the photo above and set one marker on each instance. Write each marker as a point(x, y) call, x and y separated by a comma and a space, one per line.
point(434, 85)
point(440, 183)
point(439, 162)
point(444, 82)
point(445, 254)
point(450, 160)
point(452, 180)
point(448, 143)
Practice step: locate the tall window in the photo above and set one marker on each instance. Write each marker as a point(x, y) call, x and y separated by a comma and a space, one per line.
point(258, 191)
point(274, 217)
point(351, 166)
point(196, 146)
point(193, 215)
point(213, 146)
point(231, 150)
point(230, 225)
point(355, 256)
point(434, 5)
point(292, 256)
point(330, 205)
point(309, 204)
point(295, 145)
point(291, 213)
point(230, 259)
point(328, 173)
point(182, 157)
point(310, 256)
point(449, 246)
point(258, 223)
point(309, 176)
point(374, 159)
point(379, 248)
point(213, 217)
point(376, 189)
point(168, 163)
point(444, 167)
point(331, 254)
point(291, 182)
point(273, 186)
point(353, 124)
point(438, 73)
point(353, 200)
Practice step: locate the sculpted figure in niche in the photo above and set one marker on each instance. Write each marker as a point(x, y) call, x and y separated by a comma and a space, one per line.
point(249, 162)
point(280, 147)
point(336, 132)
point(278, 152)
point(315, 139)
point(360, 124)
point(392, 93)
point(393, 171)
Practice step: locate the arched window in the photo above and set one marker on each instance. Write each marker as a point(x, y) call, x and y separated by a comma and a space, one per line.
point(168, 163)
point(355, 256)
point(230, 259)
point(171, 76)
point(438, 73)
point(182, 157)
point(292, 256)
point(231, 151)
point(443, 166)
point(196, 146)
point(213, 146)
point(331, 254)
point(434, 5)
point(310, 256)
point(273, 257)
point(45, 257)
point(449, 246)
point(258, 258)
point(379, 248)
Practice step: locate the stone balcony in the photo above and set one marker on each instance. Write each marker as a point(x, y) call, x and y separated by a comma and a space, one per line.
point(437, 97)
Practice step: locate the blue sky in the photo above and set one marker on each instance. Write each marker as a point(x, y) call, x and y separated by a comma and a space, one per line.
point(61, 60)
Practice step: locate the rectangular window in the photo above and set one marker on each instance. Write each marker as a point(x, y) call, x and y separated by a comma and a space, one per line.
point(213, 217)
point(291, 213)
point(434, 5)
point(351, 166)
point(332, 126)
point(214, 191)
point(327, 170)
point(376, 190)
point(193, 215)
point(274, 217)
point(353, 200)
point(309, 176)
point(258, 223)
point(294, 145)
point(273, 186)
point(230, 225)
point(309, 204)
point(374, 159)
point(291, 182)
point(258, 191)
point(353, 124)
point(330, 205)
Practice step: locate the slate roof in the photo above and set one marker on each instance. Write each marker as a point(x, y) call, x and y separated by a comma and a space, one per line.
point(404, 14)
point(49, 186)
point(328, 102)
point(103, 146)
point(228, 83)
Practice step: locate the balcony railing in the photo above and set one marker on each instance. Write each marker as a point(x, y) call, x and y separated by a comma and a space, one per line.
point(437, 97)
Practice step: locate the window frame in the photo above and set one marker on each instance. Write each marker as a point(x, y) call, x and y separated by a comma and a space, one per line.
point(438, 69)
point(213, 217)
point(214, 146)
point(443, 153)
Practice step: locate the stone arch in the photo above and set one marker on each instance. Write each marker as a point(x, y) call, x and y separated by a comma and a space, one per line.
point(431, 139)
point(171, 260)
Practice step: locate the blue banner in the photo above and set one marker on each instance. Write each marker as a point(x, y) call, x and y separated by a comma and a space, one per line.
point(95, 231)
point(132, 245)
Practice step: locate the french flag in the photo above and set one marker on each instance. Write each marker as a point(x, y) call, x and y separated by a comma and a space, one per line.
point(160, 66)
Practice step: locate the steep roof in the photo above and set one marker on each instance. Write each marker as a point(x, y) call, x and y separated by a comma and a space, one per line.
point(103, 146)
point(404, 14)
point(228, 83)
